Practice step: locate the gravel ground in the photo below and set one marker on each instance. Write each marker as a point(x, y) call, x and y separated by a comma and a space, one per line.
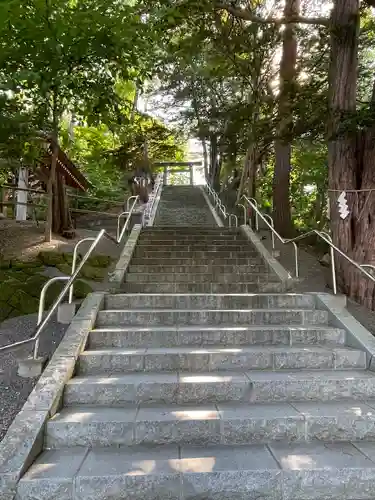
point(14, 390)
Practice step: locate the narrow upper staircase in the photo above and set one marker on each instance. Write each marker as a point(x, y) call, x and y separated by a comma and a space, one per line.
point(194, 386)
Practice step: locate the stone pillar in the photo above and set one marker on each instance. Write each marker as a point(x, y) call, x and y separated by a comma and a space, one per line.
point(21, 207)
point(191, 175)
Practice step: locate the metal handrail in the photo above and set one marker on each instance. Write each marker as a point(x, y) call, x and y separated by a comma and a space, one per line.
point(150, 206)
point(119, 235)
point(68, 286)
point(136, 197)
point(235, 219)
point(325, 237)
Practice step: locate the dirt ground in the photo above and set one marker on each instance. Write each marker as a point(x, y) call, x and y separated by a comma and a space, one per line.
point(24, 240)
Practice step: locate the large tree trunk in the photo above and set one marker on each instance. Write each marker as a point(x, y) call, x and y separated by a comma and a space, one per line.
point(281, 201)
point(205, 158)
point(50, 192)
point(342, 147)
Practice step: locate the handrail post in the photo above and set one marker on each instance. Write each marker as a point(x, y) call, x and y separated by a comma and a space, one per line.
point(75, 253)
point(296, 263)
point(333, 263)
point(266, 216)
point(244, 213)
point(41, 306)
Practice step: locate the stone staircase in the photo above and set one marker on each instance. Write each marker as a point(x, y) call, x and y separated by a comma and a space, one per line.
point(195, 386)
point(183, 206)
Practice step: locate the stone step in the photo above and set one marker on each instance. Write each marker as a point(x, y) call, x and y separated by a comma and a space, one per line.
point(195, 247)
point(228, 278)
point(222, 423)
point(306, 471)
point(230, 317)
point(215, 387)
point(192, 287)
point(209, 269)
point(180, 238)
point(197, 261)
point(210, 301)
point(194, 244)
point(216, 358)
point(190, 230)
point(152, 252)
point(217, 335)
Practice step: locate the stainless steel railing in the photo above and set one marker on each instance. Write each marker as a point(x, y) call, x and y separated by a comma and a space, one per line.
point(76, 269)
point(221, 207)
point(267, 219)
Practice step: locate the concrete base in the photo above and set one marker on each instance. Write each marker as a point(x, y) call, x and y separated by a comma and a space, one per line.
point(30, 367)
point(65, 313)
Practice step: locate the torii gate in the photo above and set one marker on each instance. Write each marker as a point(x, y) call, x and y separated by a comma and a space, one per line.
point(180, 166)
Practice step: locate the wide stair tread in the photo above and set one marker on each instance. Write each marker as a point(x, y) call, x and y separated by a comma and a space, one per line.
point(220, 423)
point(276, 471)
point(220, 386)
point(212, 358)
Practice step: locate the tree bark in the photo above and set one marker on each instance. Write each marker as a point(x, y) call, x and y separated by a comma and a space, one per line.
point(205, 158)
point(281, 196)
point(342, 145)
point(50, 193)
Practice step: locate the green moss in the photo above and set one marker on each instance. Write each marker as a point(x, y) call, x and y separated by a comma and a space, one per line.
point(65, 268)
point(17, 264)
point(8, 289)
point(94, 273)
point(99, 261)
point(68, 258)
point(18, 275)
point(81, 289)
point(50, 258)
point(34, 285)
point(23, 302)
point(5, 310)
point(53, 292)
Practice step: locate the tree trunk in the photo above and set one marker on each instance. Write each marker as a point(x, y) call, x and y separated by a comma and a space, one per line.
point(214, 164)
point(342, 146)
point(281, 200)
point(205, 158)
point(50, 192)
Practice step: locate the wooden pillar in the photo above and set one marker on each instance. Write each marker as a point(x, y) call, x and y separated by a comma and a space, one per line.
point(191, 175)
point(165, 176)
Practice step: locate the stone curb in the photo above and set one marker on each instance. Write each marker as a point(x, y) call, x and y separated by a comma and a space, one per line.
point(116, 278)
point(287, 281)
point(357, 335)
point(218, 221)
point(24, 440)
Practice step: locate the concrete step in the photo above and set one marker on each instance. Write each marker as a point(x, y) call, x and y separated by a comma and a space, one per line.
point(230, 317)
point(196, 247)
point(222, 423)
point(190, 230)
point(152, 252)
point(207, 336)
point(210, 269)
point(210, 301)
point(181, 238)
point(196, 243)
point(206, 288)
point(215, 387)
point(197, 261)
point(220, 358)
point(307, 471)
point(210, 278)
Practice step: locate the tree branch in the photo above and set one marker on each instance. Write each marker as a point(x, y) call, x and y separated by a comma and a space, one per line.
point(249, 16)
